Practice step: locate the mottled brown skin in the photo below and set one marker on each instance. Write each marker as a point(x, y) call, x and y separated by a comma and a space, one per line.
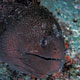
point(8, 0)
point(23, 38)
point(20, 1)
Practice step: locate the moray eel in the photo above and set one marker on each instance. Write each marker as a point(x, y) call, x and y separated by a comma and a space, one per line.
point(33, 44)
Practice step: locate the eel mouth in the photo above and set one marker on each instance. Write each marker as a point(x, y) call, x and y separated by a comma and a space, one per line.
point(42, 62)
point(45, 58)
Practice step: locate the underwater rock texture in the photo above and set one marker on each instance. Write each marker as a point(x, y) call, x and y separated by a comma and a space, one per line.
point(67, 16)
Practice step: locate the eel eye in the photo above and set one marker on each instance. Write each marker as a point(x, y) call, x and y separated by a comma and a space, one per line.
point(43, 42)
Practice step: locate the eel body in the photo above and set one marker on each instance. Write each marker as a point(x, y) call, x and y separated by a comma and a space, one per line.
point(33, 44)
